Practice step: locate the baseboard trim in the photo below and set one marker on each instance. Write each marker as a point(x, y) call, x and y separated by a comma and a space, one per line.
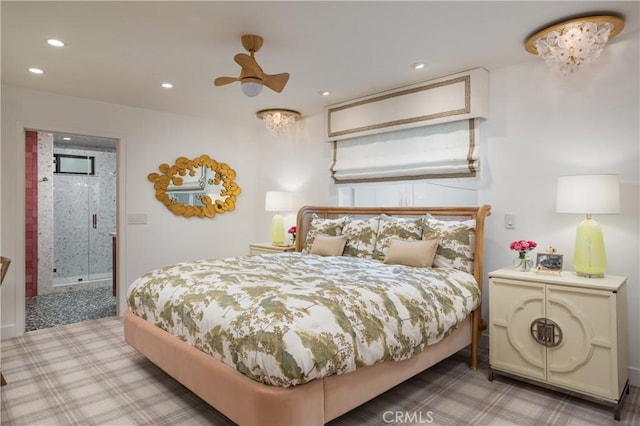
point(7, 331)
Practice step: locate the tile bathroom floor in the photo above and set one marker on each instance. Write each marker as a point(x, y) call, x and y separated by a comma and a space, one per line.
point(51, 310)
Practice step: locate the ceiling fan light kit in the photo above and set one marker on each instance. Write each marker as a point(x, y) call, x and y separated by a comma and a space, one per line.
point(568, 45)
point(278, 120)
point(251, 77)
point(250, 87)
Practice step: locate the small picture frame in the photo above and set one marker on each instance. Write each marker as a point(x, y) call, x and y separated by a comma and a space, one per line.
point(549, 262)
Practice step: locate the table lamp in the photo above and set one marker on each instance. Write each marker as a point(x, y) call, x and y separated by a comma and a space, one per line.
point(589, 194)
point(278, 201)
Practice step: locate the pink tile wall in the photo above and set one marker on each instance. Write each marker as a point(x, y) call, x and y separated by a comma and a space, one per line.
point(31, 214)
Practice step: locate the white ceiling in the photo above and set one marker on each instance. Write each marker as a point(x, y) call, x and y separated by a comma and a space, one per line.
point(120, 52)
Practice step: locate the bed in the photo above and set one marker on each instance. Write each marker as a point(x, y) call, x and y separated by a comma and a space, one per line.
point(319, 381)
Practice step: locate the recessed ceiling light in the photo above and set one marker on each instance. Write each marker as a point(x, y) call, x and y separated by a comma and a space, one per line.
point(56, 43)
point(66, 138)
point(417, 65)
point(167, 85)
point(324, 92)
point(36, 70)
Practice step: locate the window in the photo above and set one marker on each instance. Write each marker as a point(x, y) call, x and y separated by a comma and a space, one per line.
point(431, 152)
point(74, 164)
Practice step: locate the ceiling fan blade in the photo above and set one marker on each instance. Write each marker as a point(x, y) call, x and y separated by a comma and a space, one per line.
point(276, 82)
point(221, 81)
point(248, 64)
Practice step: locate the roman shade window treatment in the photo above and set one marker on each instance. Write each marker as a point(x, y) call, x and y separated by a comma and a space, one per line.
point(425, 131)
point(442, 150)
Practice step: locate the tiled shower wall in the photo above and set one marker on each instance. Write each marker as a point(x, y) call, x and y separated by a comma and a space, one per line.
point(72, 248)
point(31, 213)
point(45, 212)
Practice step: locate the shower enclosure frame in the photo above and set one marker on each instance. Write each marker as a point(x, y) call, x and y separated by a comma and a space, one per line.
point(84, 215)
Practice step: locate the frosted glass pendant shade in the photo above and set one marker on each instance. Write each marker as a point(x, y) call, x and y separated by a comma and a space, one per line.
point(250, 88)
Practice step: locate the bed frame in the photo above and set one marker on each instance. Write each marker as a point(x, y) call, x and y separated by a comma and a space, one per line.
point(247, 402)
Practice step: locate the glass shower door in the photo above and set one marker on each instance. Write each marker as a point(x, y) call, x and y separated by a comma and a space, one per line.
point(101, 217)
point(84, 215)
point(71, 226)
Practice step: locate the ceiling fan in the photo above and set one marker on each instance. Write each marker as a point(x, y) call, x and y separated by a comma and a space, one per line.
point(252, 78)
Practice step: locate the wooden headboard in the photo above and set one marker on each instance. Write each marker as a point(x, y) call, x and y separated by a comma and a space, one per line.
point(442, 213)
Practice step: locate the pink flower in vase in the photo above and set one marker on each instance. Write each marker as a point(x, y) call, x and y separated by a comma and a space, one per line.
point(292, 231)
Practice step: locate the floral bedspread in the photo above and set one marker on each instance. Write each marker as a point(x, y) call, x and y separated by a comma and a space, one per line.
point(287, 318)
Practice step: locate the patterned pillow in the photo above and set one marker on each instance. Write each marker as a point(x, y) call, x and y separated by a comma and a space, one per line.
point(323, 226)
point(411, 253)
point(457, 242)
point(361, 237)
point(395, 227)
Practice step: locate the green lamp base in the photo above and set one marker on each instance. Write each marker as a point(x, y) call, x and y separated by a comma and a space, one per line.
point(590, 259)
point(277, 229)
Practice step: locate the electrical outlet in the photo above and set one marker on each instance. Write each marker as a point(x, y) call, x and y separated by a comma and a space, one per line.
point(510, 221)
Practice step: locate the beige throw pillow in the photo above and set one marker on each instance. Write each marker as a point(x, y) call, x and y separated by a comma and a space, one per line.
point(327, 245)
point(411, 253)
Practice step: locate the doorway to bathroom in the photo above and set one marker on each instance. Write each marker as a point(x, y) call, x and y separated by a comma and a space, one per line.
point(71, 224)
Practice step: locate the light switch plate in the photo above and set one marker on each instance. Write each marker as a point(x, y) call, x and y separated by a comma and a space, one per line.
point(510, 221)
point(137, 218)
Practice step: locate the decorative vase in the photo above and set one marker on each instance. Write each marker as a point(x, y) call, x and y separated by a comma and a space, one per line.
point(523, 262)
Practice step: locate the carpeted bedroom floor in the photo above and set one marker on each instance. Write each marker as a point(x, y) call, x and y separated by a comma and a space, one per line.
point(85, 374)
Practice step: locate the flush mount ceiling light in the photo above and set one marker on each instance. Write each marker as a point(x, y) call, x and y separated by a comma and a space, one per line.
point(567, 46)
point(278, 120)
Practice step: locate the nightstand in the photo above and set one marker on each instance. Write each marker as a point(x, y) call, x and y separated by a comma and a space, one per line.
point(564, 332)
point(262, 248)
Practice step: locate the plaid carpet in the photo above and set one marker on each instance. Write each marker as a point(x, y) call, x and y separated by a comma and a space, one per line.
point(85, 374)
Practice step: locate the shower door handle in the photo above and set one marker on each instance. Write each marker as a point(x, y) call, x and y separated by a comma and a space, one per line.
point(95, 221)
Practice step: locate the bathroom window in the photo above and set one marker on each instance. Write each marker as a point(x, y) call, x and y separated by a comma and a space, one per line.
point(74, 164)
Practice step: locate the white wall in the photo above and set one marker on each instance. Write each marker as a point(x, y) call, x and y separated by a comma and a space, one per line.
point(297, 162)
point(543, 126)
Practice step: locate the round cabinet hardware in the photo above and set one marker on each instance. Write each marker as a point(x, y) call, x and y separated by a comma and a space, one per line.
point(546, 332)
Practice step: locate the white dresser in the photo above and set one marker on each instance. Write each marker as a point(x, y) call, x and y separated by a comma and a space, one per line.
point(561, 331)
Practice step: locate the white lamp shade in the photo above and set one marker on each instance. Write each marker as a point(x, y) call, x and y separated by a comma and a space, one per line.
point(278, 201)
point(588, 194)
